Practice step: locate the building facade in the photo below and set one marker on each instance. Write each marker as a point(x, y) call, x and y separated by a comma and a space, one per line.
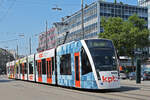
point(145, 3)
point(92, 16)
point(50, 37)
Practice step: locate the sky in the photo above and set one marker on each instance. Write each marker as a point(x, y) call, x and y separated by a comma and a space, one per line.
point(24, 19)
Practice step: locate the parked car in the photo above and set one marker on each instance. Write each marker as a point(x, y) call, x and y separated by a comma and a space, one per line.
point(123, 75)
point(146, 75)
point(132, 76)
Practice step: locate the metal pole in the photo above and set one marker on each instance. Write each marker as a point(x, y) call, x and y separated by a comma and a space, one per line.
point(30, 44)
point(138, 71)
point(17, 52)
point(82, 18)
point(65, 37)
point(98, 17)
point(46, 35)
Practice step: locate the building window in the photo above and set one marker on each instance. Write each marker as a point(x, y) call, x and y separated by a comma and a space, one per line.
point(65, 64)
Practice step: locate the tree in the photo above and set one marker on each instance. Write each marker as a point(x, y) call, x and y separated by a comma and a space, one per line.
point(5, 57)
point(126, 35)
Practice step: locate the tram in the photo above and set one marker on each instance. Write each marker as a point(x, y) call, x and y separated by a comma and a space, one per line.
point(86, 64)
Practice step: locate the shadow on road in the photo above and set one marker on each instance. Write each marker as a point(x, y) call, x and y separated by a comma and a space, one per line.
point(121, 89)
point(5, 81)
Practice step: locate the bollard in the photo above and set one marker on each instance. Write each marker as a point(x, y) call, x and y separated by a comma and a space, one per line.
point(138, 72)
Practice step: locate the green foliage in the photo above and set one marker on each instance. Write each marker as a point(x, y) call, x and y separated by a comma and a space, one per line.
point(121, 3)
point(126, 35)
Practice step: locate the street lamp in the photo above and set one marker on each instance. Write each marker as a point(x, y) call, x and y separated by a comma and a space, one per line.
point(82, 16)
point(57, 8)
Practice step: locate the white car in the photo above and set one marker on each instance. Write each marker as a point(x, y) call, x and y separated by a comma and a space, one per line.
point(123, 75)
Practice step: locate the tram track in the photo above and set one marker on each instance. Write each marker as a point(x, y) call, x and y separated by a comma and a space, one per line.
point(125, 95)
point(67, 94)
point(142, 87)
point(137, 94)
point(112, 96)
point(137, 85)
point(119, 94)
point(130, 96)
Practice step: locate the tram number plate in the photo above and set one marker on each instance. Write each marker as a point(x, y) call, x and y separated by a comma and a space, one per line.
point(113, 72)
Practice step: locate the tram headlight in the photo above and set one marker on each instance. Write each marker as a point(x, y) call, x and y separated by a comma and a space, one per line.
point(98, 75)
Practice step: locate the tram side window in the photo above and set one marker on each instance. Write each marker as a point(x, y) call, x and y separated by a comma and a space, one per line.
point(65, 64)
point(12, 70)
point(52, 65)
point(36, 65)
point(47, 62)
point(9, 70)
point(30, 68)
point(25, 68)
point(43, 66)
point(86, 66)
point(17, 69)
point(20, 68)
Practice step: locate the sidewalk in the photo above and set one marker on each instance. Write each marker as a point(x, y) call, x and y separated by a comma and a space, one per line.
point(3, 77)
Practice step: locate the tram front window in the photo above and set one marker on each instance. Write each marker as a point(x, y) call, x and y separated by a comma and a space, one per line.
point(104, 59)
point(103, 55)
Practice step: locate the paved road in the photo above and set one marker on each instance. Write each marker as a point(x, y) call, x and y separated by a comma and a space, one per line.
point(21, 90)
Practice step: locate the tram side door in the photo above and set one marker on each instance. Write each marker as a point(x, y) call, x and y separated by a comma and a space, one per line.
point(49, 70)
point(77, 69)
point(23, 71)
point(39, 70)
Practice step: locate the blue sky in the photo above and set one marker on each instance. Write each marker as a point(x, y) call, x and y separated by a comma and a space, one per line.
point(28, 17)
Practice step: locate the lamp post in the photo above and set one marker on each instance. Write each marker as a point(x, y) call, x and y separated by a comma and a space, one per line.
point(17, 52)
point(82, 18)
point(30, 45)
point(46, 36)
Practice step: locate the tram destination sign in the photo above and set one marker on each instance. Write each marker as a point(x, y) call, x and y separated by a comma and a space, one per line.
point(99, 43)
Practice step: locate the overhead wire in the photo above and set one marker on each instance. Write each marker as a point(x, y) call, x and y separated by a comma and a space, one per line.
point(7, 11)
point(5, 41)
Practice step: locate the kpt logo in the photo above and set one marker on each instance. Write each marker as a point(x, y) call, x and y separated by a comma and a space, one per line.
point(109, 79)
point(40, 55)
